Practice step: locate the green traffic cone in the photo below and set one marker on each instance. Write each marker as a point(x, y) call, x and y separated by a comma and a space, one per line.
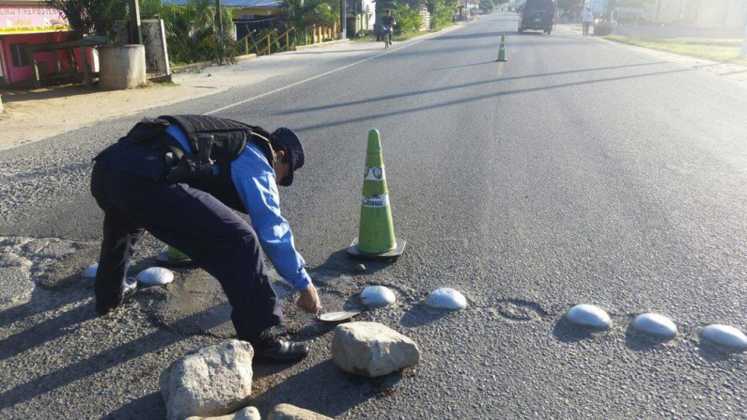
point(502, 54)
point(174, 257)
point(376, 237)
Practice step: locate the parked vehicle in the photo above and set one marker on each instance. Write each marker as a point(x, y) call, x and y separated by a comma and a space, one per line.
point(537, 15)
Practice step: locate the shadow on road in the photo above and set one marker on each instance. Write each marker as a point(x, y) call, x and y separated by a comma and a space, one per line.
point(478, 98)
point(94, 364)
point(567, 332)
point(713, 354)
point(421, 314)
point(461, 66)
point(46, 331)
point(641, 342)
point(471, 35)
point(148, 407)
point(339, 263)
point(324, 388)
point(456, 87)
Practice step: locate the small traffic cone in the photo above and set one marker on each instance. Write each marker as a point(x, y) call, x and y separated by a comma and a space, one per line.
point(376, 239)
point(502, 54)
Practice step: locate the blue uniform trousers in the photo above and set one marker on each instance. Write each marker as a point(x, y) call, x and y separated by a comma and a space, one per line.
point(195, 222)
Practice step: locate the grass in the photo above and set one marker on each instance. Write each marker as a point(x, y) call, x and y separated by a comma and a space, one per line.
point(721, 50)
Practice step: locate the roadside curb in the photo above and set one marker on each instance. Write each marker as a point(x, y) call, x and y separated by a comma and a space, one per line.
point(321, 44)
point(196, 67)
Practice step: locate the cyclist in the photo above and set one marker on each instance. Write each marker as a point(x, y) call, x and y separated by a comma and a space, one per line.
point(387, 27)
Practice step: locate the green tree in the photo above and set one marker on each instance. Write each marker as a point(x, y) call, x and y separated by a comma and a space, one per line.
point(192, 32)
point(442, 12)
point(91, 16)
point(150, 8)
point(304, 13)
point(407, 17)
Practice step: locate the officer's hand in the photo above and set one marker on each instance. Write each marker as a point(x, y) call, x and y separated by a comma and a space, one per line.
point(309, 300)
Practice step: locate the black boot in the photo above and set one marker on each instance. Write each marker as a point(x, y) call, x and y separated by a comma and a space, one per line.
point(275, 346)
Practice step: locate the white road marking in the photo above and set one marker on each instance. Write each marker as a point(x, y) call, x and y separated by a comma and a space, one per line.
point(319, 76)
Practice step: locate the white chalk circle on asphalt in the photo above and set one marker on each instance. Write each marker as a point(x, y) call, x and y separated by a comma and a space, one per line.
point(655, 324)
point(591, 316)
point(446, 298)
point(90, 271)
point(726, 336)
point(155, 276)
point(377, 296)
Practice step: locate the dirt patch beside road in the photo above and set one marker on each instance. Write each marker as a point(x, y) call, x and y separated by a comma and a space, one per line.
point(721, 50)
point(37, 114)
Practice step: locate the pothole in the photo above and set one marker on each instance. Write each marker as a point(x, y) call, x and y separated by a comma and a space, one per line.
point(26, 262)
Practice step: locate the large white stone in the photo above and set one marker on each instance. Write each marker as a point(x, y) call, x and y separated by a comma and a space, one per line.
point(291, 412)
point(446, 298)
point(655, 324)
point(376, 296)
point(212, 381)
point(589, 316)
point(725, 335)
point(248, 413)
point(372, 349)
point(155, 276)
point(90, 271)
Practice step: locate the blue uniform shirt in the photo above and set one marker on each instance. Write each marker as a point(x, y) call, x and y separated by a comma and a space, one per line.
point(254, 179)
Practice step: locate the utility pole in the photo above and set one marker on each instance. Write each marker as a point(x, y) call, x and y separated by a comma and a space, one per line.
point(136, 34)
point(219, 17)
point(344, 17)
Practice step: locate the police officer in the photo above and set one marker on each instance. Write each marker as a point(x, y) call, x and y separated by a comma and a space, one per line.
point(181, 178)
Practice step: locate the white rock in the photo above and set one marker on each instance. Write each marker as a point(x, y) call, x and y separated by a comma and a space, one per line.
point(155, 276)
point(213, 381)
point(291, 412)
point(90, 271)
point(726, 336)
point(589, 316)
point(372, 349)
point(655, 324)
point(248, 413)
point(376, 296)
point(446, 298)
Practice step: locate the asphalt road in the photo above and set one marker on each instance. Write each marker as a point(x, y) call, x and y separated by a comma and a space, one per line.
point(578, 172)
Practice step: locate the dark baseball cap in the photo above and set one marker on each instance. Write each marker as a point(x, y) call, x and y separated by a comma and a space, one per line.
point(286, 139)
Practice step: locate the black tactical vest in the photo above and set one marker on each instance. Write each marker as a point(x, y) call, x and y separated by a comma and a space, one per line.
point(228, 140)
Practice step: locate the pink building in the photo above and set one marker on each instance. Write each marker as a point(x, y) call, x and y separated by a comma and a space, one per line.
point(25, 23)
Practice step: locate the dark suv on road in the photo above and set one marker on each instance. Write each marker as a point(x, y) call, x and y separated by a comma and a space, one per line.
point(537, 15)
